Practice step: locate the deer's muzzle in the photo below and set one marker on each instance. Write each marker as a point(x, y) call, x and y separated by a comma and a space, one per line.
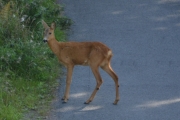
point(44, 41)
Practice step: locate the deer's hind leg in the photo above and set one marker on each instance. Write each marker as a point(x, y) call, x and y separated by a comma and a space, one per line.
point(109, 70)
point(99, 81)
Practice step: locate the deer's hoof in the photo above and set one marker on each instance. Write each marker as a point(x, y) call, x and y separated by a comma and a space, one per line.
point(64, 102)
point(115, 102)
point(64, 99)
point(86, 103)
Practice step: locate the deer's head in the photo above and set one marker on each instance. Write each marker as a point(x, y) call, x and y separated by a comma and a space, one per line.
point(48, 31)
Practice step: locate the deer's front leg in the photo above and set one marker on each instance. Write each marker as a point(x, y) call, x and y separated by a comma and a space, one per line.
point(99, 82)
point(68, 82)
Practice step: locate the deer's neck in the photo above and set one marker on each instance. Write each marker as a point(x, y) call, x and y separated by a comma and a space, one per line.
point(54, 45)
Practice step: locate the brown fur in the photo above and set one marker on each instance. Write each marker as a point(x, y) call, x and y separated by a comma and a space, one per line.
point(93, 54)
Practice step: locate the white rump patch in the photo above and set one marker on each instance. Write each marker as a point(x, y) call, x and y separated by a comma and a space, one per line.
point(109, 53)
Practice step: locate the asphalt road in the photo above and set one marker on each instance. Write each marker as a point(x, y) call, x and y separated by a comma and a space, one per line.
point(144, 36)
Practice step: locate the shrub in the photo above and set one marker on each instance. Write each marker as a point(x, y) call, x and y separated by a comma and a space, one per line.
point(21, 51)
point(28, 69)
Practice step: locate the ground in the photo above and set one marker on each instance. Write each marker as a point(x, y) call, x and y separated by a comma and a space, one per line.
point(144, 37)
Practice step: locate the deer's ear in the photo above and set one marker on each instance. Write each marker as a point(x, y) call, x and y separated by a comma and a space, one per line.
point(44, 24)
point(53, 25)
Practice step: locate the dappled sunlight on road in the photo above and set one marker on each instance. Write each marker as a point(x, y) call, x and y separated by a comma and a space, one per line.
point(91, 107)
point(160, 28)
point(117, 12)
point(166, 1)
point(78, 95)
point(154, 104)
point(79, 109)
point(66, 109)
point(69, 106)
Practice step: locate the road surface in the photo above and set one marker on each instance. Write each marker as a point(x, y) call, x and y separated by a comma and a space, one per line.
point(144, 36)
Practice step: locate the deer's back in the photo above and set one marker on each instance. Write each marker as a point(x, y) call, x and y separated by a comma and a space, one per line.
point(82, 52)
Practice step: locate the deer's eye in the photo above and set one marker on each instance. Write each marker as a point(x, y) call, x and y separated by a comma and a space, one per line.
point(49, 33)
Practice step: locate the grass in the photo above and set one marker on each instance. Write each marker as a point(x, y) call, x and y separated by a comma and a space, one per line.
point(20, 96)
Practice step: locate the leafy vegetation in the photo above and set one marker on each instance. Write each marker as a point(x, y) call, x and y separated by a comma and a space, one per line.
point(28, 69)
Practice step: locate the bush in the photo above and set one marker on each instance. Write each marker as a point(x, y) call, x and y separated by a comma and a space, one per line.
point(21, 51)
point(28, 68)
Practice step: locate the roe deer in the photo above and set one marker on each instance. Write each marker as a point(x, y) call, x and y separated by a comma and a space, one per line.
point(93, 54)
